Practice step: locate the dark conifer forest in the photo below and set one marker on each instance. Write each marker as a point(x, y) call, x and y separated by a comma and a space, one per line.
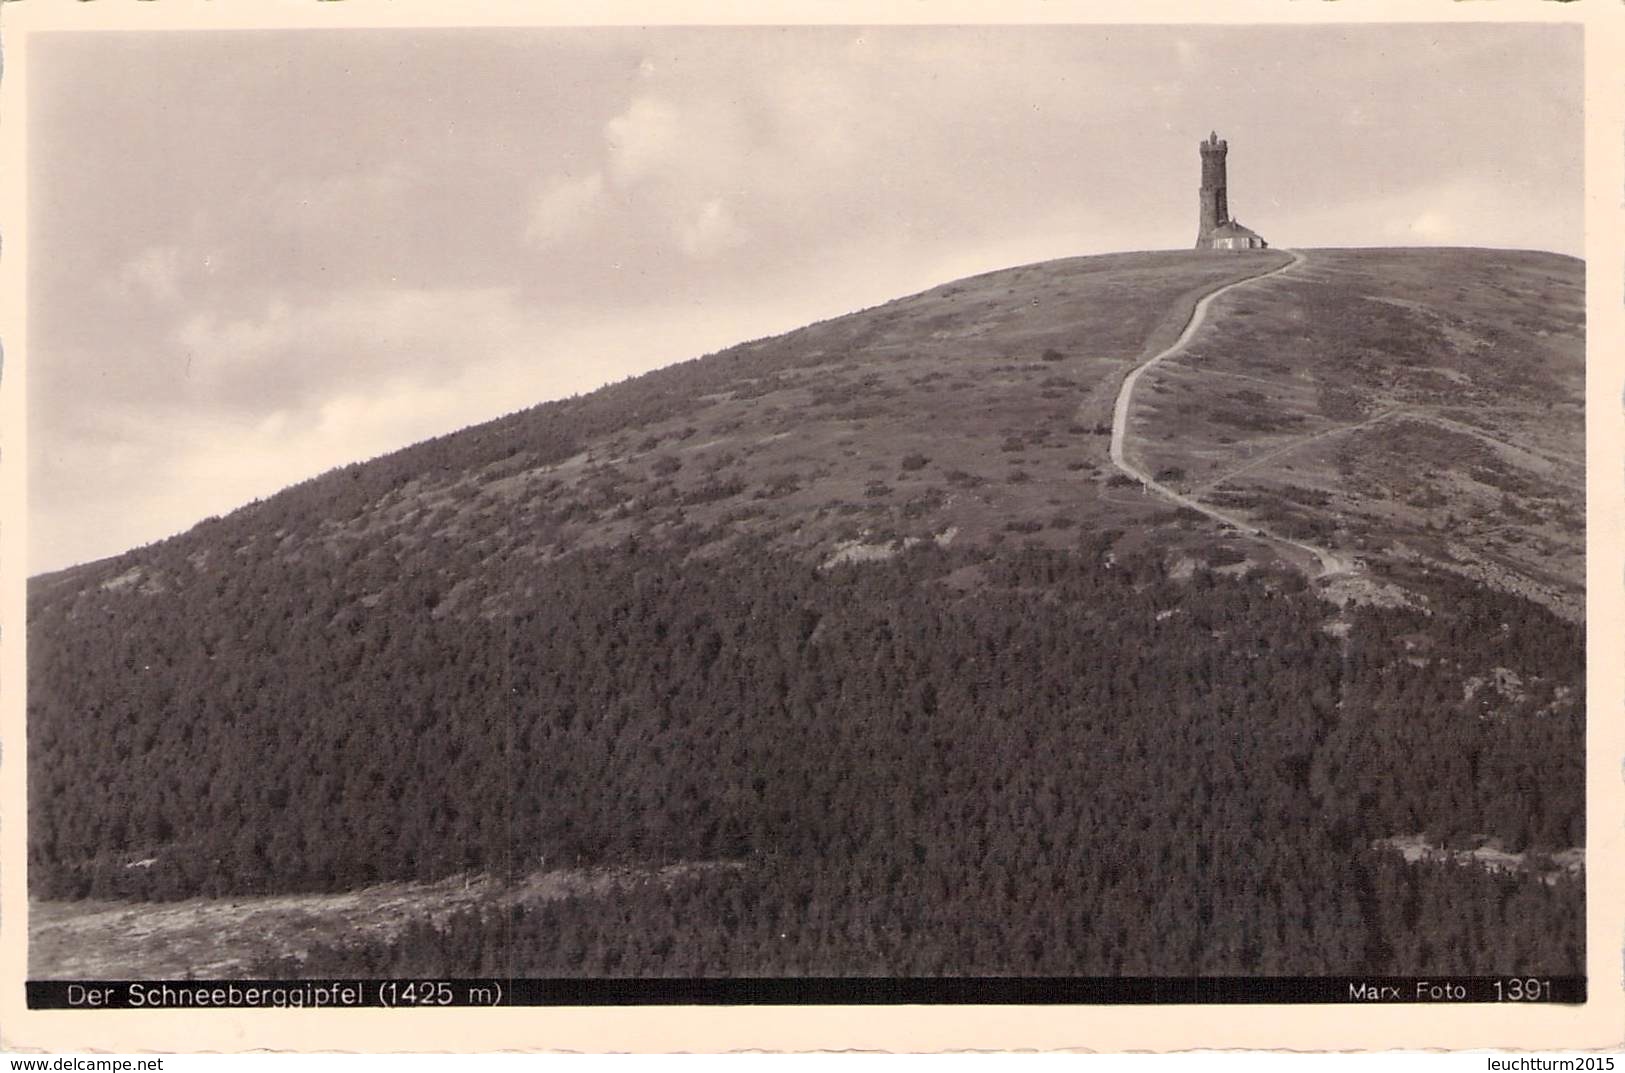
point(1083, 768)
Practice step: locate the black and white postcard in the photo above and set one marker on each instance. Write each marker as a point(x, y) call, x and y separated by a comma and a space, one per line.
point(716, 525)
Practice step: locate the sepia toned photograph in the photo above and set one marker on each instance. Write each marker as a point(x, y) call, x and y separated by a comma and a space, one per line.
point(840, 513)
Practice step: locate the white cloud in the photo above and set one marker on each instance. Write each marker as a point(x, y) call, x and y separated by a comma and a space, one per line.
point(1452, 213)
point(670, 158)
point(1470, 211)
point(709, 230)
point(1429, 226)
point(642, 138)
point(291, 352)
point(563, 208)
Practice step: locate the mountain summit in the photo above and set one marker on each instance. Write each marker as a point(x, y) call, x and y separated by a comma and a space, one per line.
point(1075, 618)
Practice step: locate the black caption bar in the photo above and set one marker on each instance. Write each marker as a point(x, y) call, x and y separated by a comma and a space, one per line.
point(780, 991)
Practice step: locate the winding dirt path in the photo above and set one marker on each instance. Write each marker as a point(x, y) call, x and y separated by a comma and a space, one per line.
point(1330, 563)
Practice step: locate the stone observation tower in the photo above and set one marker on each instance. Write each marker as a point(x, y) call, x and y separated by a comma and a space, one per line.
point(1215, 229)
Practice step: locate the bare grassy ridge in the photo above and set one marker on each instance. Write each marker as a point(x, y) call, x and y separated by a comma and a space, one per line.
point(973, 407)
point(1418, 409)
point(979, 406)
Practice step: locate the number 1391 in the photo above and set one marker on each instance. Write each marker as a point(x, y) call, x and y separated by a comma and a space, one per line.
point(1523, 990)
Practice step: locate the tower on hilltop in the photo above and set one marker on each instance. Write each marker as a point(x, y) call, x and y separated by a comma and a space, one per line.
point(1215, 229)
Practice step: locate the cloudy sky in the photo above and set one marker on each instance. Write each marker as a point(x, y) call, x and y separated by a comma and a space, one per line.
point(257, 255)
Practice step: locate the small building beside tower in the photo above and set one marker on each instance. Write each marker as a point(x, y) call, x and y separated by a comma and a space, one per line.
point(1215, 229)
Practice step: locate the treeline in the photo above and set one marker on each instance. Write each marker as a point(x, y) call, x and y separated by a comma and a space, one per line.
point(1083, 766)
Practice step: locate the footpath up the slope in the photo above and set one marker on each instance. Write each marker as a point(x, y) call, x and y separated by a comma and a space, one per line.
point(1330, 564)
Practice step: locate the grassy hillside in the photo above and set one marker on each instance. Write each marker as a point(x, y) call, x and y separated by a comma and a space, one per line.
point(824, 438)
point(1421, 409)
point(860, 620)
